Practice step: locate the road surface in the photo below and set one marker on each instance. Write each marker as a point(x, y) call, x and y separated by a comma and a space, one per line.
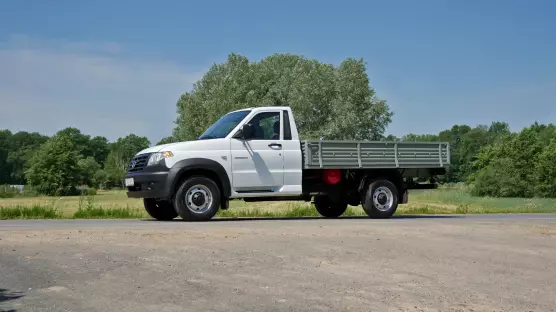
point(472, 263)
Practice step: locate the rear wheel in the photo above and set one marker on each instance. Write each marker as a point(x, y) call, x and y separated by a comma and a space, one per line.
point(328, 208)
point(159, 209)
point(197, 199)
point(381, 199)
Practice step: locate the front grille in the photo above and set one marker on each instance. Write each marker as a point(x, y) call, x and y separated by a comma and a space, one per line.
point(138, 163)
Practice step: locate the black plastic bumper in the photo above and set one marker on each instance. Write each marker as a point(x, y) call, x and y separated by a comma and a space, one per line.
point(148, 185)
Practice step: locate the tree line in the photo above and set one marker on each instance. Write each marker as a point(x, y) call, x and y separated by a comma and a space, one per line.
point(329, 102)
point(496, 162)
point(57, 165)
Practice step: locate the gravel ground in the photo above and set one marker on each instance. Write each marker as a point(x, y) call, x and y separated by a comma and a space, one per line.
point(482, 263)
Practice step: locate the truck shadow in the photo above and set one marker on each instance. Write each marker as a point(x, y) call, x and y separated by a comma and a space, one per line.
point(400, 217)
point(328, 219)
point(6, 295)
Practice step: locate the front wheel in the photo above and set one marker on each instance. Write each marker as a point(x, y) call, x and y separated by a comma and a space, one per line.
point(381, 199)
point(328, 208)
point(197, 199)
point(161, 210)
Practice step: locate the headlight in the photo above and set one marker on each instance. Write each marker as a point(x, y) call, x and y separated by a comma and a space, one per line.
point(157, 157)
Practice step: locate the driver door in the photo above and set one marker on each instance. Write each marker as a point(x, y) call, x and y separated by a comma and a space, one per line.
point(258, 163)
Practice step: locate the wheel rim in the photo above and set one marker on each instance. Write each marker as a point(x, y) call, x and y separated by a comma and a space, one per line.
point(383, 199)
point(198, 199)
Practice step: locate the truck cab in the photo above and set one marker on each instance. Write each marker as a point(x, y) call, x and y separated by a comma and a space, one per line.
point(253, 154)
point(247, 153)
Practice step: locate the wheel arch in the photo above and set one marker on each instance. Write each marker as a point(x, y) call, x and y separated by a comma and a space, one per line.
point(199, 166)
point(392, 175)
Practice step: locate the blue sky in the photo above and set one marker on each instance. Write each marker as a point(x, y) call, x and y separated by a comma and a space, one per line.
point(116, 67)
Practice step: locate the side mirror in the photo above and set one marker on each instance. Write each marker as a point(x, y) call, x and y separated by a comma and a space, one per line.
point(247, 132)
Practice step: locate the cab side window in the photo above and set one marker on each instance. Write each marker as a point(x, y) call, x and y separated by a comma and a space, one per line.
point(267, 126)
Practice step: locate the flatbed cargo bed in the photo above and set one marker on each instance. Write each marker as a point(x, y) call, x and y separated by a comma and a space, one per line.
point(374, 154)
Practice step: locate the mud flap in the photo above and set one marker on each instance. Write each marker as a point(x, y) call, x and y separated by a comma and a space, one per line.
point(405, 197)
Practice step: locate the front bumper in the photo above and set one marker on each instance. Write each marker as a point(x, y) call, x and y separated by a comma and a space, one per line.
point(148, 185)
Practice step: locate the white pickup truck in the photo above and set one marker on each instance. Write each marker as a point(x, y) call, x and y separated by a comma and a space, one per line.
point(255, 154)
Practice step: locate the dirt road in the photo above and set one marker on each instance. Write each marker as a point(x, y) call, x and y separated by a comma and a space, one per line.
point(484, 263)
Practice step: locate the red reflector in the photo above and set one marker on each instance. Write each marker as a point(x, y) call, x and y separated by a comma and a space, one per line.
point(332, 176)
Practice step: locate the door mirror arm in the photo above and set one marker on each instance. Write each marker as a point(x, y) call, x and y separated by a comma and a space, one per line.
point(246, 132)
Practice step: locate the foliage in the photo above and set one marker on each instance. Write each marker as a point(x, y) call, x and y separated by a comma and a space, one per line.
point(100, 148)
point(88, 210)
point(87, 168)
point(328, 102)
point(54, 167)
point(519, 165)
point(97, 147)
point(101, 179)
point(15, 152)
point(545, 166)
point(166, 140)
point(121, 153)
point(7, 191)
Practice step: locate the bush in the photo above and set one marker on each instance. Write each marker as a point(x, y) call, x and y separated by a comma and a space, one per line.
point(91, 191)
point(6, 191)
point(7, 194)
point(65, 191)
point(54, 168)
point(500, 179)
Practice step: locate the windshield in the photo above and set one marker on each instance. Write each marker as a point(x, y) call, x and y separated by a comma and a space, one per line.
point(224, 125)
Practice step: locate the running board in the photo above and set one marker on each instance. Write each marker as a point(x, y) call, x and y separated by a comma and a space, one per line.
point(276, 198)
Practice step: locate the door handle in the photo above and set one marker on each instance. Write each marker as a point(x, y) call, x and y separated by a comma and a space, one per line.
point(273, 145)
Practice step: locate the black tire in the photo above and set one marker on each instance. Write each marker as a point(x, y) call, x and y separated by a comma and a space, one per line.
point(198, 188)
point(160, 210)
point(328, 208)
point(381, 206)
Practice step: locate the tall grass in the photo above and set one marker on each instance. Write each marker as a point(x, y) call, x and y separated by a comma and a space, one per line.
point(88, 210)
point(39, 211)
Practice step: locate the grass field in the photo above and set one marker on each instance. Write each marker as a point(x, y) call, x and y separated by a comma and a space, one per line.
point(115, 204)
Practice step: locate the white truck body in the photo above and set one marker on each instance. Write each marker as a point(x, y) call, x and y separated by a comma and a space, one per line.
point(256, 153)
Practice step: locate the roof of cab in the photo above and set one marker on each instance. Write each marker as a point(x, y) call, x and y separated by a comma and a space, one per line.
point(261, 107)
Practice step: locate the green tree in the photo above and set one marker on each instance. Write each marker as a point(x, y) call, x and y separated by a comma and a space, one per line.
point(166, 140)
point(22, 146)
point(96, 147)
point(54, 167)
point(5, 168)
point(99, 149)
point(88, 167)
point(499, 179)
point(79, 140)
point(420, 137)
point(390, 137)
point(453, 136)
point(507, 166)
point(101, 179)
point(121, 153)
point(328, 102)
point(116, 167)
point(545, 167)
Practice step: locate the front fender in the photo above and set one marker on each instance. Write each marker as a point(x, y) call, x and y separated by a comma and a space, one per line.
point(187, 165)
